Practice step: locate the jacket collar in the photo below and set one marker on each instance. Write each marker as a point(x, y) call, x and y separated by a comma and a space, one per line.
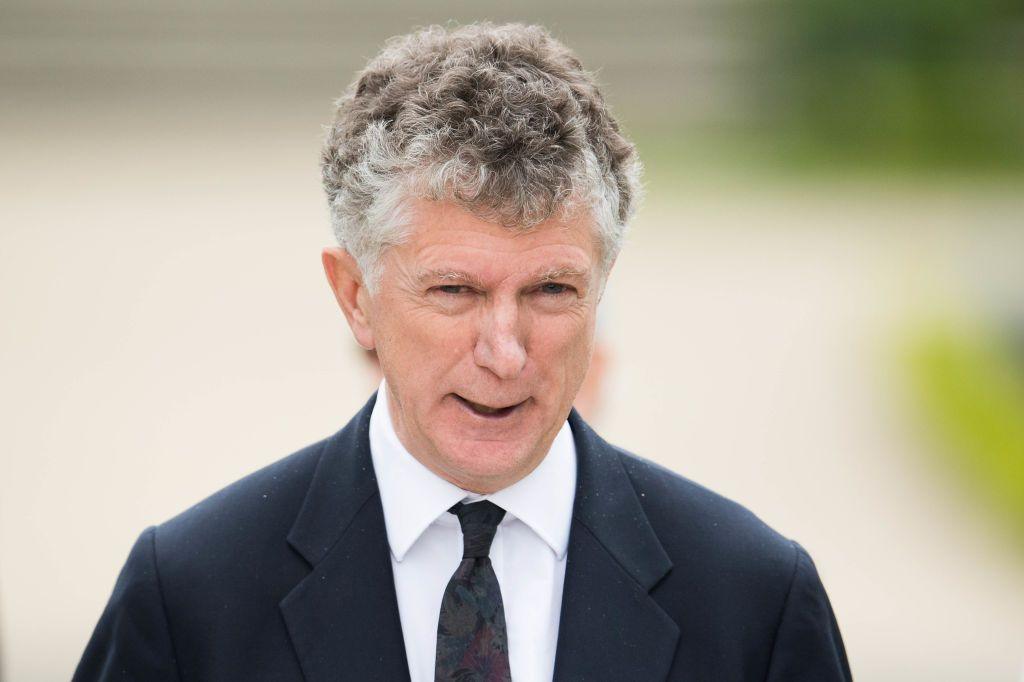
point(607, 506)
point(611, 628)
point(344, 616)
point(342, 484)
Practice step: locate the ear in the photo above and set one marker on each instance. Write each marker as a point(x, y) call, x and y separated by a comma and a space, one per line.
point(346, 282)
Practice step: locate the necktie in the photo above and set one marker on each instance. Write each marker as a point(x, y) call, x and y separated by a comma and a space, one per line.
point(472, 642)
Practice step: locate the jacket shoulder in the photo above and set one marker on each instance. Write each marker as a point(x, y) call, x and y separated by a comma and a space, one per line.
point(748, 600)
point(242, 525)
point(731, 575)
point(699, 527)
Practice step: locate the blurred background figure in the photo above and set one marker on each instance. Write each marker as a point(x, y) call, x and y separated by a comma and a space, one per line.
point(834, 193)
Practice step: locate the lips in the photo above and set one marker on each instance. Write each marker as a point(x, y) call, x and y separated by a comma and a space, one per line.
point(491, 411)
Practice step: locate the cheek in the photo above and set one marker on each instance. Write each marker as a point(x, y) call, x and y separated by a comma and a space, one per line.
point(444, 341)
point(425, 347)
point(563, 347)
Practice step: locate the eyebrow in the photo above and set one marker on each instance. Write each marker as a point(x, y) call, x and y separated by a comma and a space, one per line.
point(561, 273)
point(448, 275)
point(459, 277)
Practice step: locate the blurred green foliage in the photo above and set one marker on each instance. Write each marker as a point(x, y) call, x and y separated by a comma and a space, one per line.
point(972, 395)
point(924, 83)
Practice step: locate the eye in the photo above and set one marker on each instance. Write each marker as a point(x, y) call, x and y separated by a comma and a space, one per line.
point(453, 299)
point(553, 288)
point(453, 289)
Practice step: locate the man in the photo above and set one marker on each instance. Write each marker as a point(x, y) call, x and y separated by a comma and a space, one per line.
point(467, 524)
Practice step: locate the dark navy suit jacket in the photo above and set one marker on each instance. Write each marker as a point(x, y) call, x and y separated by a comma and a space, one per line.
point(286, 575)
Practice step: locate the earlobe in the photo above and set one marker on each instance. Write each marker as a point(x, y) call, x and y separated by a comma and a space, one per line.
point(346, 282)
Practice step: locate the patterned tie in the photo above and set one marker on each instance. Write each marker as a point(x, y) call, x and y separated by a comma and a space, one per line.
point(472, 642)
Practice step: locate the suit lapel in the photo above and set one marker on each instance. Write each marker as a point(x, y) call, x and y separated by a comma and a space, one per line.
point(343, 617)
point(610, 628)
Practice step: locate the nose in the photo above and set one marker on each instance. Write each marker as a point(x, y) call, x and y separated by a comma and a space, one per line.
point(499, 346)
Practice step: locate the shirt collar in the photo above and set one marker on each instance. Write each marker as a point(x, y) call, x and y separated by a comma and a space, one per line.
point(413, 496)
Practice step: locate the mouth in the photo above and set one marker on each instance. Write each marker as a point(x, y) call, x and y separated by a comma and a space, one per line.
point(488, 411)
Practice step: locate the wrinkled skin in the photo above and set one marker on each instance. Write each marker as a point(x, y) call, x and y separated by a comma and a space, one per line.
point(484, 335)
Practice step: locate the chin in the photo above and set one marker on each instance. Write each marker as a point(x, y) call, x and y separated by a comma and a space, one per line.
point(493, 450)
point(488, 461)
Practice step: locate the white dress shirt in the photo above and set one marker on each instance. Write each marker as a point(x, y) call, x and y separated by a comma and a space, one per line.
point(528, 551)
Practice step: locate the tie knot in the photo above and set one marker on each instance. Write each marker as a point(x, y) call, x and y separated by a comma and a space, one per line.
point(479, 522)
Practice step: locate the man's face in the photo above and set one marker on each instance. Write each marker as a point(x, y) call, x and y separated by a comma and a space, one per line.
point(484, 336)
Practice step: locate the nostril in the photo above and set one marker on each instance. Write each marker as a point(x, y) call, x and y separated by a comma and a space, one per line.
point(505, 357)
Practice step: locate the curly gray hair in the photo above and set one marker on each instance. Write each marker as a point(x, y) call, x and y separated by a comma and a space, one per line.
point(500, 119)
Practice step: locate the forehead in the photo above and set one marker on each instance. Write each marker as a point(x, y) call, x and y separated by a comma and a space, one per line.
point(443, 235)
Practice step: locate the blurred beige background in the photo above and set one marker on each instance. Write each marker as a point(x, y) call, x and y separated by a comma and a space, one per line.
point(166, 327)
